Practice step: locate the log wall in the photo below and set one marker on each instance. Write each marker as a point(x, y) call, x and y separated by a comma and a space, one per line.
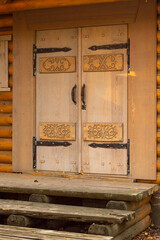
point(6, 23)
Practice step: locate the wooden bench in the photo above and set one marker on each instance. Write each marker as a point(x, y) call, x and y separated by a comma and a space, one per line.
point(65, 212)
point(19, 233)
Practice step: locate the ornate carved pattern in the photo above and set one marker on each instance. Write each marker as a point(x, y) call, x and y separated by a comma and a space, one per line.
point(103, 132)
point(57, 131)
point(57, 65)
point(103, 63)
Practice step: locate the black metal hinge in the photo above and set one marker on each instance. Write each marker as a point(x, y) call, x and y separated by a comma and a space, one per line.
point(46, 144)
point(45, 50)
point(114, 46)
point(115, 146)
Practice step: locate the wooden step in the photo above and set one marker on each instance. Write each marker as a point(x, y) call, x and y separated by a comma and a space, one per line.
point(65, 212)
point(78, 188)
point(19, 233)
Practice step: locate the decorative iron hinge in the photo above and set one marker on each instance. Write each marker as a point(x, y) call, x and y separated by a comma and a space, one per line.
point(112, 47)
point(46, 144)
point(45, 50)
point(115, 146)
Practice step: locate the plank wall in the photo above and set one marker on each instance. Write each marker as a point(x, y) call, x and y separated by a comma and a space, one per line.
point(6, 23)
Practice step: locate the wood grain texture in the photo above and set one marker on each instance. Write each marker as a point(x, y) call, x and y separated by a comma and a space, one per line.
point(105, 97)
point(135, 229)
point(20, 5)
point(142, 93)
point(70, 187)
point(103, 132)
point(6, 157)
point(65, 212)
point(7, 233)
point(23, 39)
point(85, 15)
point(57, 64)
point(5, 167)
point(116, 229)
point(57, 131)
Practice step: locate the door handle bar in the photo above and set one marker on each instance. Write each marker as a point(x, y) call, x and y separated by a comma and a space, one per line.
point(73, 94)
point(83, 97)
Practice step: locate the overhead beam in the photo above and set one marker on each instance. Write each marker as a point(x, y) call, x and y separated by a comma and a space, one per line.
point(21, 5)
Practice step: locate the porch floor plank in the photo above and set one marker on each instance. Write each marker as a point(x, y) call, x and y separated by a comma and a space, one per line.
point(17, 233)
point(72, 187)
point(65, 212)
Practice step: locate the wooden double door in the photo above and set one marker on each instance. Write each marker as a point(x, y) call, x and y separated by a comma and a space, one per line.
point(81, 99)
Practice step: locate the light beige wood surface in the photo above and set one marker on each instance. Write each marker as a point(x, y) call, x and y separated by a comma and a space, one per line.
point(17, 233)
point(106, 100)
point(54, 101)
point(4, 63)
point(23, 95)
point(142, 93)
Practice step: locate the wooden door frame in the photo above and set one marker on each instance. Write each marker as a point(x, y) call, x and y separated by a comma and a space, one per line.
point(143, 63)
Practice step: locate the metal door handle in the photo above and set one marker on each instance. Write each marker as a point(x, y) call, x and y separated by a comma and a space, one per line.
point(73, 94)
point(83, 97)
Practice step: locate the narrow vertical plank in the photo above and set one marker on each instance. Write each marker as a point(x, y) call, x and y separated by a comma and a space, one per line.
point(23, 94)
point(142, 93)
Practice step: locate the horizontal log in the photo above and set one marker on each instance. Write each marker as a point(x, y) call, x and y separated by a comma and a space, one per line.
point(131, 232)
point(10, 57)
point(158, 121)
point(21, 5)
point(20, 220)
point(6, 21)
point(158, 36)
point(64, 212)
point(158, 136)
point(158, 93)
point(115, 229)
point(128, 206)
point(158, 8)
point(5, 108)
point(5, 96)
point(6, 157)
point(5, 144)
point(8, 31)
point(158, 49)
point(10, 69)
point(158, 106)
point(158, 164)
point(158, 149)
point(158, 78)
point(158, 63)
point(10, 45)
point(5, 132)
point(10, 81)
point(5, 119)
point(6, 168)
point(5, 1)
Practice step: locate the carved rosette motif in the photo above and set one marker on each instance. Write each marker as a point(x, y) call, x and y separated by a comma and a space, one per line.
point(57, 65)
point(103, 63)
point(103, 132)
point(57, 131)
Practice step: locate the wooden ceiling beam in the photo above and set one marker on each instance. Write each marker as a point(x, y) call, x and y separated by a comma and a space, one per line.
point(21, 5)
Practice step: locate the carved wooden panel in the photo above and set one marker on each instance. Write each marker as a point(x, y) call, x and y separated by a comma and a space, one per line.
point(103, 63)
point(103, 132)
point(57, 64)
point(57, 131)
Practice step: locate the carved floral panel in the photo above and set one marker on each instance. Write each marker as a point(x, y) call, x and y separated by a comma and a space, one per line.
point(57, 131)
point(103, 63)
point(103, 132)
point(57, 65)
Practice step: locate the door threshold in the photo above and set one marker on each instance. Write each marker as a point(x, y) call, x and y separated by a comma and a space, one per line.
point(82, 175)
